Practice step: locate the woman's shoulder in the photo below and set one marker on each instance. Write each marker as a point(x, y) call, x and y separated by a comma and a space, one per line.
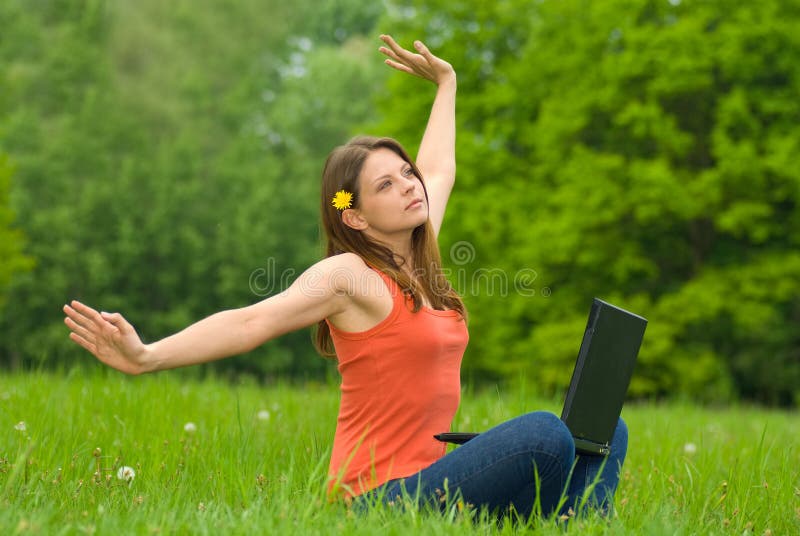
point(361, 286)
point(343, 263)
point(346, 271)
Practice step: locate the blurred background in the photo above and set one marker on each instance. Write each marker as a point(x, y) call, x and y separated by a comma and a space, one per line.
point(162, 159)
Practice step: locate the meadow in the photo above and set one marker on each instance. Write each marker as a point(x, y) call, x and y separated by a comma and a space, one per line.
point(209, 456)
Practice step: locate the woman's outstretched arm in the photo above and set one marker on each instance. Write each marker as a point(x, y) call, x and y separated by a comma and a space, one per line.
point(319, 292)
point(437, 152)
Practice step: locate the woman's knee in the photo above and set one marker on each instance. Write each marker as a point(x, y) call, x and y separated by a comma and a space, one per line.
point(619, 443)
point(549, 433)
point(622, 428)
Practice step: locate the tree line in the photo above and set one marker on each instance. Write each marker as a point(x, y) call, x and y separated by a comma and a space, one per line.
point(163, 160)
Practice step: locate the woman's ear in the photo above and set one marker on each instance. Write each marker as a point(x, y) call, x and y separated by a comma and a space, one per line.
point(352, 218)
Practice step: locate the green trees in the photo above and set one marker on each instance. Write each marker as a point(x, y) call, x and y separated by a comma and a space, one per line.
point(11, 239)
point(639, 151)
point(166, 153)
point(167, 160)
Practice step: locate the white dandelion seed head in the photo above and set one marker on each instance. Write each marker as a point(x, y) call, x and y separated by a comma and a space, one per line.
point(20, 426)
point(690, 448)
point(190, 427)
point(263, 415)
point(126, 473)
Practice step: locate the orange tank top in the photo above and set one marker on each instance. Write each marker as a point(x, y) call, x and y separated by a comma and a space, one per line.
point(400, 385)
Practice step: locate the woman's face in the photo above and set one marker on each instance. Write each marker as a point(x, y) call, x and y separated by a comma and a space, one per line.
point(391, 196)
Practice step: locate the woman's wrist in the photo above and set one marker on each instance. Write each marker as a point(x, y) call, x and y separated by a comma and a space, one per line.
point(147, 361)
point(448, 82)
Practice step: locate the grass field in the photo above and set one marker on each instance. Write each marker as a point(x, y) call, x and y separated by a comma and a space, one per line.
point(255, 462)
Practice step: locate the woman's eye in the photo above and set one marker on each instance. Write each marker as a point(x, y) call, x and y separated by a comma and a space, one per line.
point(408, 172)
point(385, 184)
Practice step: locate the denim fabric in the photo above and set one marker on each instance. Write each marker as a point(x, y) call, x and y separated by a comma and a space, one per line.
point(499, 469)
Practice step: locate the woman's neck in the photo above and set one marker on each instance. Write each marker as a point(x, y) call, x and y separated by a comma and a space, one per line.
point(400, 245)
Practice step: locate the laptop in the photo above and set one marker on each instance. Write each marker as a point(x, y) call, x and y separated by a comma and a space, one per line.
point(600, 379)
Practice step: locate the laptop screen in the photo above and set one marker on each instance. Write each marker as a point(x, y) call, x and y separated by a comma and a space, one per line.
point(602, 373)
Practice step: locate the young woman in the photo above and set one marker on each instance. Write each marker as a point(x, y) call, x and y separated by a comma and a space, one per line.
point(383, 307)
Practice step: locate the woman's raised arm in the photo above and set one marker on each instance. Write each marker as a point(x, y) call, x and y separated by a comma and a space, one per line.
point(322, 290)
point(437, 152)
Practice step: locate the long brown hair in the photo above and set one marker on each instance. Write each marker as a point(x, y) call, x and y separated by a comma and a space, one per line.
point(341, 172)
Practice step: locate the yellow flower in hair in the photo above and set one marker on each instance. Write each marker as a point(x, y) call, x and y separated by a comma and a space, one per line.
point(342, 199)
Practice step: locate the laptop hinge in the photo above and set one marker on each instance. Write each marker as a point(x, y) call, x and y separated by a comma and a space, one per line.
point(590, 447)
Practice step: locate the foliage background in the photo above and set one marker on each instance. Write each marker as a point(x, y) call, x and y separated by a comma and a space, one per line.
point(162, 159)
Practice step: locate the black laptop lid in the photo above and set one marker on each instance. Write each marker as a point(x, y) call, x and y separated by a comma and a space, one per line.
point(602, 373)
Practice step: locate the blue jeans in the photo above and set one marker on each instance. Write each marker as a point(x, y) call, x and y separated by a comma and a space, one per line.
point(499, 469)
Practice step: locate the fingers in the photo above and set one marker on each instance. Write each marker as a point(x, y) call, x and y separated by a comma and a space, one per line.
point(423, 49)
point(395, 60)
point(76, 321)
point(399, 53)
point(83, 342)
point(389, 52)
point(89, 326)
point(81, 326)
point(396, 52)
point(111, 317)
point(78, 330)
point(82, 314)
point(423, 65)
point(117, 320)
point(397, 49)
point(400, 67)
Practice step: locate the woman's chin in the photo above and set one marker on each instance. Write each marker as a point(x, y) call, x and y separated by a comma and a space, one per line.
point(421, 220)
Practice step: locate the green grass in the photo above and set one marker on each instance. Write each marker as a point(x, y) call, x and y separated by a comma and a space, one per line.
point(238, 473)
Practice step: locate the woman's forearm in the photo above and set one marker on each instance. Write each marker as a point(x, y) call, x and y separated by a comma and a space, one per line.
point(220, 335)
point(437, 151)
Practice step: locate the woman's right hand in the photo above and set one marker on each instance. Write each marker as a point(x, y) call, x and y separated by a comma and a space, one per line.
point(424, 64)
point(108, 336)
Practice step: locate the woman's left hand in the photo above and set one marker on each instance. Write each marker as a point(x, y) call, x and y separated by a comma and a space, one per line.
point(425, 65)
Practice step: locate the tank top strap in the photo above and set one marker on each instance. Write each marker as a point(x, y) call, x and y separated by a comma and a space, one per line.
point(394, 289)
